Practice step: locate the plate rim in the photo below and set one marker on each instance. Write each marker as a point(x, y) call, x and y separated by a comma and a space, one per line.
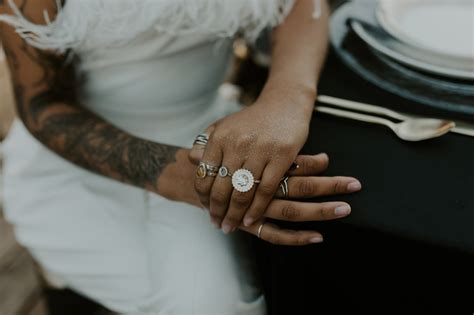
point(341, 31)
point(387, 24)
point(407, 60)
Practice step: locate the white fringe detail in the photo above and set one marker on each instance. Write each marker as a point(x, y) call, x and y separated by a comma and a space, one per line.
point(83, 25)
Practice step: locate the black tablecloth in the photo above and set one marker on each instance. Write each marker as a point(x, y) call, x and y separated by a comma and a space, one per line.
point(408, 247)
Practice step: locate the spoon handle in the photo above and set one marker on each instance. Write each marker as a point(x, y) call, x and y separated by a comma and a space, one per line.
point(462, 128)
point(362, 107)
point(355, 116)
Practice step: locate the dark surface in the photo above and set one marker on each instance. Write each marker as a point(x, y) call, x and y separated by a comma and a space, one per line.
point(67, 302)
point(408, 247)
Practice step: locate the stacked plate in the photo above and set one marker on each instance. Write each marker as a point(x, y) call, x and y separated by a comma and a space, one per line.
point(420, 49)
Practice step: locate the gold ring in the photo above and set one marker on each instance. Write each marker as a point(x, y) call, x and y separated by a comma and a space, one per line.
point(259, 231)
point(205, 170)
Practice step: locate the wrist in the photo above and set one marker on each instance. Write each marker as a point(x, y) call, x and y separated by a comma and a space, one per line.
point(295, 96)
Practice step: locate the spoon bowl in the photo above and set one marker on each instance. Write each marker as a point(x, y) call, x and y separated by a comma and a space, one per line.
point(418, 129)
point(411, 129)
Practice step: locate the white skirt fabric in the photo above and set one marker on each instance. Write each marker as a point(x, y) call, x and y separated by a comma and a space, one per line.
point(133, 251)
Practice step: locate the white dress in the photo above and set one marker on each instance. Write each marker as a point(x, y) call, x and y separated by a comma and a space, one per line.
point(152, 68)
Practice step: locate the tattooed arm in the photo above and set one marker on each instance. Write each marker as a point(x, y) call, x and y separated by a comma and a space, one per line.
point(47, 105)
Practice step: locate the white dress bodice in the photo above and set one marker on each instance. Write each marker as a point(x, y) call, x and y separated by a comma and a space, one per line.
point(159, 88)
point(153, 67)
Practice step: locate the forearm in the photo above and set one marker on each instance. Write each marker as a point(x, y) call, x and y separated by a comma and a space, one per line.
point(92, 143)
point(45, 88)
point(299, 51)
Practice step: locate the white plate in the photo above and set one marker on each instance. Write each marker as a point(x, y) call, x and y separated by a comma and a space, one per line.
point(441, 26)
point(413, 56)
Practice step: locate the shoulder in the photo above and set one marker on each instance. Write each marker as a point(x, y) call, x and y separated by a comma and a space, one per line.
point(35, 11)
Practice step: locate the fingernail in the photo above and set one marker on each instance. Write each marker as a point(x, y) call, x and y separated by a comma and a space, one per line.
point(248, 221)
point(342, 210)
point(354, 186)
point(226, 228)
point(316, 239)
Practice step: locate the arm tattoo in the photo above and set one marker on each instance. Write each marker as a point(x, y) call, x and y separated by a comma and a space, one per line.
point(47, 105)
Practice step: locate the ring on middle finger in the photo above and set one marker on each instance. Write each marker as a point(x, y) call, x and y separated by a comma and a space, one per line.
point(224, 172)
point(243, 180)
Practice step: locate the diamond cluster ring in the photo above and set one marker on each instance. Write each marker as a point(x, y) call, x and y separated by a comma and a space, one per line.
point(243, 180)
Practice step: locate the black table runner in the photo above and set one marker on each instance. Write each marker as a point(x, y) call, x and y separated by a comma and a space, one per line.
point(410, 237)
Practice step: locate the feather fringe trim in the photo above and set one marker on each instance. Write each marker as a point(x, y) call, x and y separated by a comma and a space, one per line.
point(84, 25)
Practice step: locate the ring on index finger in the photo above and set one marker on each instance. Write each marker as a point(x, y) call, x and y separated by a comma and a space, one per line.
point(204, 170)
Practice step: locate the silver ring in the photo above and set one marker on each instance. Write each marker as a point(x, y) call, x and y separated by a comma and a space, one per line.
point(205, 170)
point(284, 187)
point(224, 172)
point(201, 139)
point(259, 231)
point(243, 180)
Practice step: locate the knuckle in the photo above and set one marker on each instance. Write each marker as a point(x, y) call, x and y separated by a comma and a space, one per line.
point(306, 187)
point(285, 147)
point(289, 212)
point(200, 187)
point(301, 239)
point(307, 165)
point(218, 136)
point(339, 186)
point(216, 214)
point(266, 190)
point(243, 143)
point(233, 219)
point(273, 239)
point(323, 213)
point(240, 201)
point(218, 198)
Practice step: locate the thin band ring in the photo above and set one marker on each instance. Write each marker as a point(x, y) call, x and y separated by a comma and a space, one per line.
point(259, 231)
point(284, 187)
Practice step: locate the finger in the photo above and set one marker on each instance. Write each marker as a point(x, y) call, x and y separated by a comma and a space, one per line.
point(221, 192)
point(241, 201)
point(278, 236)
point(310, 165)
point(266, 190)
point(197, 151)
point(212, 156)
point(287, 210)
point(309, 187)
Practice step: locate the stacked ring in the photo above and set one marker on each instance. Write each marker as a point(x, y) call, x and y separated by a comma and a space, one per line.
point(284, 186)
point(202, 139)
point(205, 170)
